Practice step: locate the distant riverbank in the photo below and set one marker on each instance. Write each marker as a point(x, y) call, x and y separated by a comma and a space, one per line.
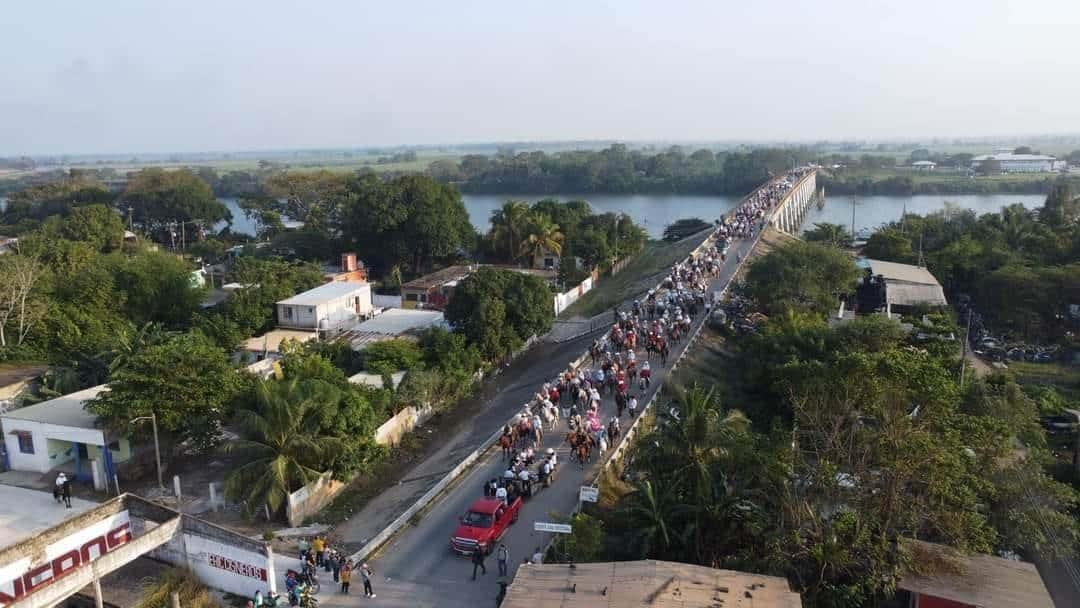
point(907, 183)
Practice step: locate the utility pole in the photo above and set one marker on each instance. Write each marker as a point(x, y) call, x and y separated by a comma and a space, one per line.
point(130, 224)
point(963, 351)
point(183, 235)
point(853, 219)
point(157, 448)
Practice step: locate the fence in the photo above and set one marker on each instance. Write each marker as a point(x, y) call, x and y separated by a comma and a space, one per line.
point(565, 299)
point(391, 431)
point(311, 499)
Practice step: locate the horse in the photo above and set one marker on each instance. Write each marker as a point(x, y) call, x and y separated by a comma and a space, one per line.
point(580, 446)
point(506, 442)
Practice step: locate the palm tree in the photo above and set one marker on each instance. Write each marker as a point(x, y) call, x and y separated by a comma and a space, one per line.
point(281, 444)
point(690, 437)
point(543, 235)
point(507, 225)
point(149, 334)
point(652, 513)
point(830, 234)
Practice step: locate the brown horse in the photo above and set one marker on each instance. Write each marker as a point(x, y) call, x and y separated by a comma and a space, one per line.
point(506, 442)
point(581, 446)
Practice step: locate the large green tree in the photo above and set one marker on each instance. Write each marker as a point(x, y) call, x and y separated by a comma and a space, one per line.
point(498, 310)
point(159, 198)
point(185, 381)
point(801, 274)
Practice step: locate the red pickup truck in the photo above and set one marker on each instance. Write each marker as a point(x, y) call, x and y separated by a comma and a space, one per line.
point(484, 524)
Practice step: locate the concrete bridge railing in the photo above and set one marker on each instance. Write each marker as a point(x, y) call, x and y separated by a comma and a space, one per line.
point(790, 213)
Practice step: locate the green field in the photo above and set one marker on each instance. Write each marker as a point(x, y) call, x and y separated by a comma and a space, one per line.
point(1065, 378)
point(336, 163)
point(639, 276)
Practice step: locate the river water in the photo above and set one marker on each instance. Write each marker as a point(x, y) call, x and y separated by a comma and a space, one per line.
point(655, 211)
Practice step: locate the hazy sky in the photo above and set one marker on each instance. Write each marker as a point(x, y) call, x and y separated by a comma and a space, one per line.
point(157, 76)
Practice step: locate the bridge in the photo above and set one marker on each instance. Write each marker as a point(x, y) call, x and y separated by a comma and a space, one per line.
point(788, 216)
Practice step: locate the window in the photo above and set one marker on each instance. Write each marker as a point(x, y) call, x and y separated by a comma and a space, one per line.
point(549, 262)
point(26, 441)
point(288, 312)
point(410, 297)
point(115, 446)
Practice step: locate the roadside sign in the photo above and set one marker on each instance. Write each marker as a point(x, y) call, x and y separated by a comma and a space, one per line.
point(589, 494)
point(543, 526)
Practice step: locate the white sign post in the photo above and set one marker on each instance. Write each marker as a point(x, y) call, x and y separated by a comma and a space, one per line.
point(589, 494)
point(543, 526)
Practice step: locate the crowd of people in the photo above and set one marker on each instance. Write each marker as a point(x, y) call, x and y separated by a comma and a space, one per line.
point(620, 361)
point(750, 216)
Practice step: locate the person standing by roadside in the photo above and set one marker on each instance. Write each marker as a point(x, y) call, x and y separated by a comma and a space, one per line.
point(503, 555)
point(318, 546)
point(346, 576)
point(478, 562)
point(366, 573)
point(66, 491)
point(335, 564)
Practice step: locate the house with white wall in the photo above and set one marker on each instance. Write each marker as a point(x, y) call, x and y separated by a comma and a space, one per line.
point(61, 434)
point(326, 307)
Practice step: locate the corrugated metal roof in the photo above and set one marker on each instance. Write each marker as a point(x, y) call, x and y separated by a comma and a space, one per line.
point(902, 272)
point(68, 410)
point(976, 580)
point(375, 379)
point(910, 294)
point(647, 583)
point(397, 321)
point(326, 292)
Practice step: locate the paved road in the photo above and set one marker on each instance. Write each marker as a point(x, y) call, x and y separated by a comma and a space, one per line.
point(416, 569)
point(502, 398)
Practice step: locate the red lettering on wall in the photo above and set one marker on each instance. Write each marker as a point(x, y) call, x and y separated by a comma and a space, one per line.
point(65, 563)
point(236, 567)
point(37, 577)
point(118, 536)
point(50, 572)
point(102, 549)
point(6, 599)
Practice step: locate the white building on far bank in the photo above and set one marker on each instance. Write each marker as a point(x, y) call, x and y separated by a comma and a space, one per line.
point(1018, 163)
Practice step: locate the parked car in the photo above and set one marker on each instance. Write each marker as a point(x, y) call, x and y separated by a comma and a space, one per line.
point(484, 524)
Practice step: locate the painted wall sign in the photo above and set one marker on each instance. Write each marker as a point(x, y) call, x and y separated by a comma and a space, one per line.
point(237, 567)
point(23, 577)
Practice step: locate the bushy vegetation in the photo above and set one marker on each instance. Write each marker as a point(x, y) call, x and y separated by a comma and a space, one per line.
point(817, 450)
point(498, 310)
point(1020, 266)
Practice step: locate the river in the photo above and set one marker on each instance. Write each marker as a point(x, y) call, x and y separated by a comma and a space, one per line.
point(873, 211)
point(654, 211)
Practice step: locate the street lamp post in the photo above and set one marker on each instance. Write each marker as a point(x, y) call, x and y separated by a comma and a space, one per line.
point(157, 450)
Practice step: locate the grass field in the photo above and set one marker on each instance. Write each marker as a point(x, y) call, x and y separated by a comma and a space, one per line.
point(944, 176)
point(639, 276)
point(224, 165)
point(1065, 378)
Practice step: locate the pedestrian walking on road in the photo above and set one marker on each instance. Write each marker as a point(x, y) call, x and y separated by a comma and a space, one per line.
point(346, 576)
point(66, 491)
point(366, 573)
point(478, 562)
point(503, 556)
